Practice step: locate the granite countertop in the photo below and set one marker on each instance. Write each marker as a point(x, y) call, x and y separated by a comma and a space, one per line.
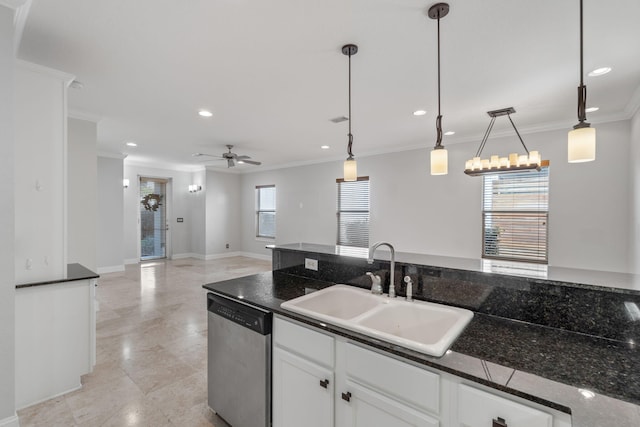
point(74, 272)
point(606, 280)
point(545, 365)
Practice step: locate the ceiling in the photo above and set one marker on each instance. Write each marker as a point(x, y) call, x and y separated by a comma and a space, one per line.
point(273, 75)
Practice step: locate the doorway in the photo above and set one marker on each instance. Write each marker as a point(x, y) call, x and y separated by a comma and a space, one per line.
point(153, 218)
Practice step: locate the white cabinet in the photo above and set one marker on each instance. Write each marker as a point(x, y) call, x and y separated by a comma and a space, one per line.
point(55, 339)
point(321, 380)
point(367, 408)
point(477, 408)
point(302, 392)
point(303, 379)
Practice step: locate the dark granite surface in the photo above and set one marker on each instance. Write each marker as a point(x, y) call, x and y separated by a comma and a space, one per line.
point(614, 281)
point(542, 364)
point(586, 309)
point(74, 272)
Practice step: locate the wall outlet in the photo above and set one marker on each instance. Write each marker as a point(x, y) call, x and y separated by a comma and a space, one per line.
point(227, 246)
point(311, 264)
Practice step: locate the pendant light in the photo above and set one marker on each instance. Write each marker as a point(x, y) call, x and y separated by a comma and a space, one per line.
point(439, 155)
point(496, 164)
point(350, 166)
point(582, 139)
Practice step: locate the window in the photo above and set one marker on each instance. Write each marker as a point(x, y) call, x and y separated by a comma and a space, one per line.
point(266, 211)
point(515, 210)
point(353, 212)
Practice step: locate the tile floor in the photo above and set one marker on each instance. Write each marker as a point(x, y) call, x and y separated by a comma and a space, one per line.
point(151, 365)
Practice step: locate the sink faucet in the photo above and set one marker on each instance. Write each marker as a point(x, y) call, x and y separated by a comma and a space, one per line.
point(409, 291)
point(376, 283)
point(372, 249)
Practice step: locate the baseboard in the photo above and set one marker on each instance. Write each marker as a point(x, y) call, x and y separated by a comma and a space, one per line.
point(232, 254)
point(187, 255)
point(111, 269)
point(131, 261)
point(256, 256)
point(26, 405)
point(223, 255)
point(10, 421)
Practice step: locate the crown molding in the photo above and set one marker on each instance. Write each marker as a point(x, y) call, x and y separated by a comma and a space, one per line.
point(633, 106)
point(41, 69)
point(81, 115)
point(119, 156)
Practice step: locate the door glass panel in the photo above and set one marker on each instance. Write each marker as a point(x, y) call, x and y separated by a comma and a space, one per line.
point(153, 219)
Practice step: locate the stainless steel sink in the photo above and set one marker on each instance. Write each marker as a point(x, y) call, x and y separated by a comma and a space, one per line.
point(422, 326)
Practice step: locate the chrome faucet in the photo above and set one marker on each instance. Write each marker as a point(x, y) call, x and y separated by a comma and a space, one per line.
point(409, 291)
point(376, 283)
point(372, 249)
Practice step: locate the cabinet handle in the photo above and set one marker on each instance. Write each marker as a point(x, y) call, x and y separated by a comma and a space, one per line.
point(499, 422)
point(346, 396)
point(324, 383)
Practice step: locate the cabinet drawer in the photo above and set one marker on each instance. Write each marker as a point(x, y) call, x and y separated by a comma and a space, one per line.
point(404, 382)
point(477, 408)
point(303, 341)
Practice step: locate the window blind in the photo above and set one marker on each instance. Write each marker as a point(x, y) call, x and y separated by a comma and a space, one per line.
point(266, 211)
point(353, 212)
point(515, 213)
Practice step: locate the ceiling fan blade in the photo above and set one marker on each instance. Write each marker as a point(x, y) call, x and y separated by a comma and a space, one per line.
point(251, 162)
point(203, 154)
point(243, 157)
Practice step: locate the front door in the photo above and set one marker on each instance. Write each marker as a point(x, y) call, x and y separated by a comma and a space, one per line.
point(153, 218)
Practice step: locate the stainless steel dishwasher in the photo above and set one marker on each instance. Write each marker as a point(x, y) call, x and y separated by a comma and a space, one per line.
point(239, 362)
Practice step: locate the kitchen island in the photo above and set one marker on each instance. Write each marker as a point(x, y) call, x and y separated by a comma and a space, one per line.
point(595, 379)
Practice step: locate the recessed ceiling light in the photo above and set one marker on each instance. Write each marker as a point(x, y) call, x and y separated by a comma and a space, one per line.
point(325, 147)
point(592, 109)
point(132, 144)
point(205, 113)
point(449, 133)
point(599, 71)
point(419, 113)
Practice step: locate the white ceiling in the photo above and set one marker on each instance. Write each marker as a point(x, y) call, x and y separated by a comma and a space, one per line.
point(273, 74)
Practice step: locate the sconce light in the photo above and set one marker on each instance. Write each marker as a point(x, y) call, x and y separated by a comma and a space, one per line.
point(194, 188)
point(125, 183)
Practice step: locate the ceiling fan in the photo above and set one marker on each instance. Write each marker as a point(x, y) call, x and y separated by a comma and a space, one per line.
point(231, 158)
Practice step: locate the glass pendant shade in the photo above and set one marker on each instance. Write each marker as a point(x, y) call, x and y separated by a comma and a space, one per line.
point(582, 145)
point(439, 161)
point(350, 170)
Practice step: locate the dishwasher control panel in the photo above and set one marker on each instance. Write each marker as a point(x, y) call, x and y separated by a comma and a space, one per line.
point(250, 317)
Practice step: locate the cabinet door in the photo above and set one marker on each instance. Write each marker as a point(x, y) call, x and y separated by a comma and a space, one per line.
point(302, 392)
point(368, 409)
point(477, 408)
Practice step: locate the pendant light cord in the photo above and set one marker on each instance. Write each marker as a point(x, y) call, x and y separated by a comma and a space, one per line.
point(439, 118)
point(582, 89)
point(350, 135)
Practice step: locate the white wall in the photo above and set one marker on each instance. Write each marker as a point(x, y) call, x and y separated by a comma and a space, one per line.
point(40, 173)
point(7, 280)
point(110, 217)
point(82, 196)
point(198, 218)
point(634, 164)
point(178, 206)
point(222, 219)
point(417, 212)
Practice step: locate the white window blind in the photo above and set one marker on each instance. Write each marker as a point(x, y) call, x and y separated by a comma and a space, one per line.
point(515, 213)
point(266, 211)
point(353, 212)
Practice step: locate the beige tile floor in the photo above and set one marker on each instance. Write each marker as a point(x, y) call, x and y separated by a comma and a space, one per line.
point(151, 365)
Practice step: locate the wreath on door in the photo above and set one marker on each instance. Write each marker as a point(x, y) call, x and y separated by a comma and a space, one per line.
point(151, 202)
